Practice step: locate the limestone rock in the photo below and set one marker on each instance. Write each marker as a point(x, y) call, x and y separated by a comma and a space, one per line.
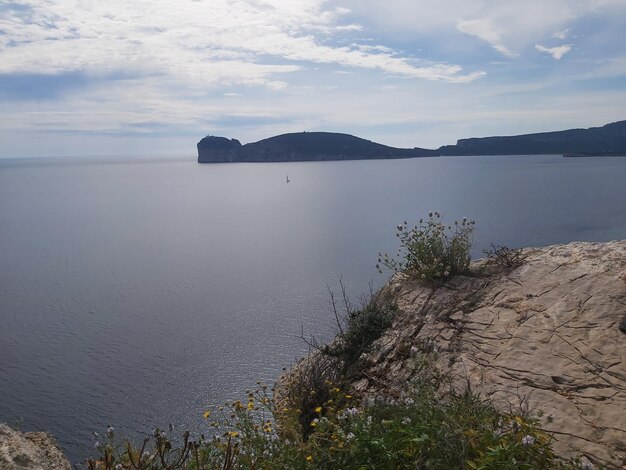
point(30, 451)
point(546, 333)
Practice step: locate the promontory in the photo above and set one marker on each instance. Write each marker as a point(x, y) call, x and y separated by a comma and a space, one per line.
point(608, 140)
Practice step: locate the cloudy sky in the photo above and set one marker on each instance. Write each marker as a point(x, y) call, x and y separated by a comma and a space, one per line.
point(85, 77)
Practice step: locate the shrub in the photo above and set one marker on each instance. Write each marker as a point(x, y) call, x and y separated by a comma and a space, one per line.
point(505, 257)
point(310, 385)
point(430, 250)
point(361, 326)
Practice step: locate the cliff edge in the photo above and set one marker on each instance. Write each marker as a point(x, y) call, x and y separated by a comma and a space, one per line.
point(30, 451)
point(549, 335)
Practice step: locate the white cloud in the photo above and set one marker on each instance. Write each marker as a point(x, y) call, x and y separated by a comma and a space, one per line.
point(203, 43)
point(510, 27)
point(485, 30)
point(561, 34)
point(555, 52)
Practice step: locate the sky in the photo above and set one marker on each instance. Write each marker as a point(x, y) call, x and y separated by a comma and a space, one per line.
point(83, 77)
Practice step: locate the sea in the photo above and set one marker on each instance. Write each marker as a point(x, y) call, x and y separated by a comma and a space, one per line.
point(140, 292)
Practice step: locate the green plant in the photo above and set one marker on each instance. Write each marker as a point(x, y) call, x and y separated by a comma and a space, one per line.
point(431, 250)
point(361, 326)
point(433, 426)
point(310, 385)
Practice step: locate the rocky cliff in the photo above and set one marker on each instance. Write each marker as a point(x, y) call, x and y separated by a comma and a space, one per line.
point(324, 146)
point(595, 141)
point(302, 146)
point(549, 335)
point(30, 451)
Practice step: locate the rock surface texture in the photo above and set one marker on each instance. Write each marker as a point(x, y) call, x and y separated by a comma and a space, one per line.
point(30, 451)
point(545, 335)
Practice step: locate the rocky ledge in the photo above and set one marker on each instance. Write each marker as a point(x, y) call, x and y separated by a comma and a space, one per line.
point(548, 335)
point(30, 451)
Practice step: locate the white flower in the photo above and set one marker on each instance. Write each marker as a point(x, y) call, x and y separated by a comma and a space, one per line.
point(110, 431)
point(97, 445)
point(119, 466)
point(406, 420)
point(528, 440)
point(585, 464)
point(409, 401)
point(446, 273)
point(350, 436)
point(369, 421)
point(347, 413)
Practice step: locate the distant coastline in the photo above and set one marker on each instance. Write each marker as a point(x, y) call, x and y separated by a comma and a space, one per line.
point(608, 140)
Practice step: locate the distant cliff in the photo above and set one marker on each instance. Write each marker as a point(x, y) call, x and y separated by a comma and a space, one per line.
point(323, 146)
point(598, 141)
point(303, 146)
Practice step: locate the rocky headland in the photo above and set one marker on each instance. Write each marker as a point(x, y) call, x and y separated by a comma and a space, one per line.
point(302, 146)
point(548, 336)
point(608, 140)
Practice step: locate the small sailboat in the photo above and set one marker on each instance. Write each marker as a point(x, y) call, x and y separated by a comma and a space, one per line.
point(287, 178)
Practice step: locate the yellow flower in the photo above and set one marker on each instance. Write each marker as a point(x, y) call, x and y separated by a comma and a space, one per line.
point(348, 396)
point(309, 458)
point(250, 405)
point(206, 414)
point(233, 434)
point(336, 390)
point(318, 409)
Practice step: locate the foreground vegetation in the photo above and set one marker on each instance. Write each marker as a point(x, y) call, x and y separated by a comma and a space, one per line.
point(432, 426)
point(315, 421)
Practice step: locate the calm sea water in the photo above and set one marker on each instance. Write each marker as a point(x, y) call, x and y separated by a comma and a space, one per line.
point(138, 292)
